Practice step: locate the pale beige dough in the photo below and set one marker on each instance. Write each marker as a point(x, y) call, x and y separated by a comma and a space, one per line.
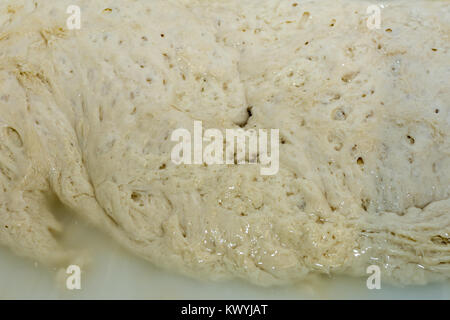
point(364, 115)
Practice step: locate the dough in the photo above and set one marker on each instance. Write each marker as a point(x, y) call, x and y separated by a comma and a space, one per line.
point(86, 115)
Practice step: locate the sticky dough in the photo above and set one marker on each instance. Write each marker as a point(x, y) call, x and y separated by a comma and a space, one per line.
point(364, 114)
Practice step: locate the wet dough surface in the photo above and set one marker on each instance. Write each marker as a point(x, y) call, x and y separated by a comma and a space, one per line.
point(364, 115)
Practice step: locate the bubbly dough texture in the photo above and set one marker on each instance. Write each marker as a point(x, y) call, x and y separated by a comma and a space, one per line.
point(364, 119)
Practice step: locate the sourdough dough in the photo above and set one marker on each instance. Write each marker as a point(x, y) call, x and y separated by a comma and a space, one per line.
point(363, 114)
